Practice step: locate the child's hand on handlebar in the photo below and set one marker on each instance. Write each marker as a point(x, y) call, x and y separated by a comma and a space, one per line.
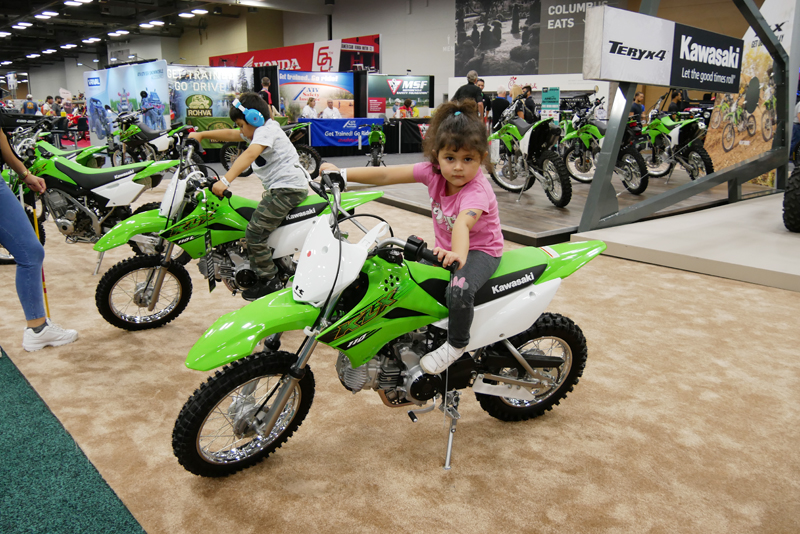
point(196, 136)
point(328, 167)
point(218, 188)
point(446, 257)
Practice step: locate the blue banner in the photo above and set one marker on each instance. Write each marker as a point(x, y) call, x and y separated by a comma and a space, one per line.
point(340, 132)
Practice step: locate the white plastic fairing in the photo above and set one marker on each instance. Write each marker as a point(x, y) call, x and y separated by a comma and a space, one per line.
point(161, 143)
point(173, 197)
point(675, 136)
point(120, 192)
point(508, 316)
point(289, 238)
point(316, 270)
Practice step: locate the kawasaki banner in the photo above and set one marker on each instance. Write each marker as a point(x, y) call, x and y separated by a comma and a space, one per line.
point(339, 132)
point(386, 94)
point(202, 96)
point(630, 47)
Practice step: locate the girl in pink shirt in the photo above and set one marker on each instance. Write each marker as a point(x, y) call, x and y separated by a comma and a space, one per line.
point(464, 210)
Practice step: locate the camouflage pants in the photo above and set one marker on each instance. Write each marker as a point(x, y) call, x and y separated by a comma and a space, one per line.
point(271, 211)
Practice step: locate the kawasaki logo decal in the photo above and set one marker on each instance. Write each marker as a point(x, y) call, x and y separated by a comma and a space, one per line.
point(293, 216)
point(708, 54)
point(502, 288)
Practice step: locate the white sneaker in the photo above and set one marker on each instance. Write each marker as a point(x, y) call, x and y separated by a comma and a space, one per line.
point(440, 359)
point(51, 335)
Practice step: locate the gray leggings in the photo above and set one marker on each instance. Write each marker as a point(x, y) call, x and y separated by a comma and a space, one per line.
point(464, 284)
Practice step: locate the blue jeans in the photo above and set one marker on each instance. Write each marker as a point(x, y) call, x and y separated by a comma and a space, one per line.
point(19, 238)
point(795, 137)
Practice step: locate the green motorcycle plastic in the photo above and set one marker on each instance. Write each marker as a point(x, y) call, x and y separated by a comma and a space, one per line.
point(667, 142)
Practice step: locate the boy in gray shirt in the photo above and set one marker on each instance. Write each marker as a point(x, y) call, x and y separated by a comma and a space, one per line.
point(274, 160)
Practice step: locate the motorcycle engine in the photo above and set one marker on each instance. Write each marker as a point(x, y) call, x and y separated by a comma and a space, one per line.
point(71, 219)
point(231, 266)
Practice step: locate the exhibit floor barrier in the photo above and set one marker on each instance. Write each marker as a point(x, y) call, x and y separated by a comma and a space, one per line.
point(673, 426)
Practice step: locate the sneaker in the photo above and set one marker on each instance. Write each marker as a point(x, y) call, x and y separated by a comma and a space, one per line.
point(440, 359)
point(262, 287)
point(51, 335)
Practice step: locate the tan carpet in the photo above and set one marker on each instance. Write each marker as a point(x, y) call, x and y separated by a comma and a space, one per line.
point(685, 421)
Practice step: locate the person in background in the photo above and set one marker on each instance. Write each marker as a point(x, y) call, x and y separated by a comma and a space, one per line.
point(274, 160)
point(675, 104)
point(308, 111)
point(47, 107)
point(487, 101)
point(18, 237)
point(470, 91)
point(57, 107)
point(796, 133)
point(499, 105)
point(331, 112)
point(30, 107)
point(530, 103)
point(264, 92)
point(637, 107)
point(396, 106)
point(407, 111)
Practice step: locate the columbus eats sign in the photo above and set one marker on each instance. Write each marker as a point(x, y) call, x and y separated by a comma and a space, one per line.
point(630, 47)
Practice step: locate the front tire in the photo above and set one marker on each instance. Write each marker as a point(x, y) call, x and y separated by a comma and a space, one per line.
point(728, 137)
point(700, 163)
point(751, 125)
point(509, 172)
point(579, 166)
point(716, 118)
point(791, 202)
point(559, 187)
point(309, 159)
point(215, 434)
point(634, 170)
point(766, 125)
point(122, 295)
point(551, 335)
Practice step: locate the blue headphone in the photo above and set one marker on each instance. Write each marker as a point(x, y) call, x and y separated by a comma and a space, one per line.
point(251, 116)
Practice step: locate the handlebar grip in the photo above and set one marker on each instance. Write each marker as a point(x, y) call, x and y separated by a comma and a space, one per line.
point(428, 255)
point(227, 193)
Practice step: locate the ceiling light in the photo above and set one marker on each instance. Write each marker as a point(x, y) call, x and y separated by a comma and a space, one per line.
point(43, 17)
point(26, 24)
point(145, 25)
point(123, 32)
point(6, 63)
point(79, 64)
point(113, 59)
point(18, 27)
point(199, 11)
point(50, 13)
point(96, 61)
point(4, 34)
point(88, 41)
point(72, 3)
point(85, 1)
point(156, 23)
point(49, 51)
point(68, 46)
point(33, 55)
point(186, 15)
point(114, 34)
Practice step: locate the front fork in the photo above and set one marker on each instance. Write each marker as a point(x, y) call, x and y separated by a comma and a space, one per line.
point(162, 272)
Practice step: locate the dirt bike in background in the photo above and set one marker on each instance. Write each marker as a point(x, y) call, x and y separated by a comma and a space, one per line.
point(135, 141)
point(135, 295)
point(382, 310)
point(720, 111)
point(584, 140)
point(522, 154)
point(770, 116)
point(377, 142)
point(310, 159)
point(737, 118)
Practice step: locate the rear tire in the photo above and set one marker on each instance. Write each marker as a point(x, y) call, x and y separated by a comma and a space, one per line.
point(309, 159)
point(716, 118)
point(751, 125)
point(791, 202)
point(728, 137)
point(553, 168)
point(376, 156)
point(551, 335)
point(700, 162)
point(228, 154)
point(636, 179)
point(766, 125)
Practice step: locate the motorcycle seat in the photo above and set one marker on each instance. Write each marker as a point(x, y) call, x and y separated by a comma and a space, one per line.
point(93, 178)
point(521, 125)
point(149, 132)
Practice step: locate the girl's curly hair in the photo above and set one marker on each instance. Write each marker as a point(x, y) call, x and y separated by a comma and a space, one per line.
point(455, 125)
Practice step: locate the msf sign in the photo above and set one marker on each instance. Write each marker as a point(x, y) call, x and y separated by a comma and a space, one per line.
point(407, 86)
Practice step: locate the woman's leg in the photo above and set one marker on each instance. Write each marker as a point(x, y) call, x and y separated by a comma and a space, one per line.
point(18, 236)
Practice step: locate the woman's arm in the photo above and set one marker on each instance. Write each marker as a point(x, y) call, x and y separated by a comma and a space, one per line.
point(33, 181)
point(396, 174)
point(464, 223)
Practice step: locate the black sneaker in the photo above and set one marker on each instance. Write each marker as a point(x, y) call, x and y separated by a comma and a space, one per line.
point(263, 287)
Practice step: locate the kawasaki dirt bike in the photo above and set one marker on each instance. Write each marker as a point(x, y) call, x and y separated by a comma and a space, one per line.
point(738, 118)
point(134, 141)
point(377, 141)
point(382, 310)
point(310, 159)
point(146, 292)
point(770, 116)
point(583, 141)
point(521, 154)
point(666, 143)
point(721, 110)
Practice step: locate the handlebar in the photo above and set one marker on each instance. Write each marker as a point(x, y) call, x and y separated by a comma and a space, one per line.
point(415, 249)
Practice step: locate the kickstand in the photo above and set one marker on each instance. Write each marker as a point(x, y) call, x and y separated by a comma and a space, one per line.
point(99, 261)
point(450, 408)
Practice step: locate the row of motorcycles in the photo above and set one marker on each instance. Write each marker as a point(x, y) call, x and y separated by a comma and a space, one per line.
point(382, 308)
point(553, 154)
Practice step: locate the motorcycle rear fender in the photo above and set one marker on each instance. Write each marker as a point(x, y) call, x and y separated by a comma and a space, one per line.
point(234, 335)
point(566, 258)
point(157, 167)
point(145, 222)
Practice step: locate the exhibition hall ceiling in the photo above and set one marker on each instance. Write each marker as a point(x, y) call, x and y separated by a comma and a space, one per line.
point(39, 33)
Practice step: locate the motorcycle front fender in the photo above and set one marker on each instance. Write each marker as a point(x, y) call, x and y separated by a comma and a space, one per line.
point(141, 223)
point(234, 335)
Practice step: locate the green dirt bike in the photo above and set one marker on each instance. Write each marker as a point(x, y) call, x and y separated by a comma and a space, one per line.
point(146, 292)
point(377, 142)
point(310, 159)
point(583, 141)
point(521, 154)
point(770, 116)
point(134, 141)
point(666, 143)
point(738, 118)
point(382, 310)
point(720, 111)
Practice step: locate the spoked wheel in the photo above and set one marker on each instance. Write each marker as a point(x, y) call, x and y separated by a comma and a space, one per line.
point(716, 118)
point(228, 154)
point(700, 163)
point(656, 159)
point(6, 258)
point(556, 183)
point(551, 335)
point(634, 171)
point(580, 164)
point(510, 173)
point(118, 157)
point(179, 255)
point(217, 434)
point(766, 125)
point(309, 159)
point(751, 125)
point(124, 293)
point(728, 137)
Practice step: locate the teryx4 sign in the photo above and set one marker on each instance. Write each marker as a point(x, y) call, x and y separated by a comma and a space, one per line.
point(630, 47)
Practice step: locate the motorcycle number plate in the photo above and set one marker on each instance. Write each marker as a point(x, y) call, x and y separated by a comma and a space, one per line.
point(212, 282)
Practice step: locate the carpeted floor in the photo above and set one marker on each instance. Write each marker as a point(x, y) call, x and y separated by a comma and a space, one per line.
point(686, 419)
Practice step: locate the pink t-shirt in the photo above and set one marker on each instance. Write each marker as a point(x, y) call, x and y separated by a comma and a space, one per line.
point(485, 235)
